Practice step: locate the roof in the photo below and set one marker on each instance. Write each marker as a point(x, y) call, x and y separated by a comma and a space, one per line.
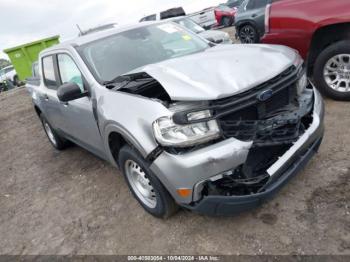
point(98, 35)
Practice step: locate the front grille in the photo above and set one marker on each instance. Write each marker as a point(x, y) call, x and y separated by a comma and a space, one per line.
point(247, 118)
point(263, 131)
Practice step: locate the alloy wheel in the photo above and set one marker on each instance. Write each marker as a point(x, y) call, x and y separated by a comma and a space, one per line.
point(247, 34)
point(337, 73)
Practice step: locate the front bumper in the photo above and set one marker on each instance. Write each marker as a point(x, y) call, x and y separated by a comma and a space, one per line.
point(186, 171)
point(293, 161)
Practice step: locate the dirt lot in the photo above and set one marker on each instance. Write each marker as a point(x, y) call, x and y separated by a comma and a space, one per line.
point(73, 203)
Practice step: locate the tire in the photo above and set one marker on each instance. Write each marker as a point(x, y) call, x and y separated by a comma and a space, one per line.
point(330, 66)
point(56, 140)
point(16, 81)
point(226, 21)
point(248, 34)
point(144, 185)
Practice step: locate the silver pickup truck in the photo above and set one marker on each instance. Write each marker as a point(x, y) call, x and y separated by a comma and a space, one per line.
point(213, 129)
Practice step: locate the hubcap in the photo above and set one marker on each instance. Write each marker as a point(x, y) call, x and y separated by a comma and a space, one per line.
point(337, 73)
point(49, 133)
point(140, 183)
point(247, 35)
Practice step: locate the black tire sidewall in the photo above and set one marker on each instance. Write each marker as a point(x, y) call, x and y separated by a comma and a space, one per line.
point(255, 40)
point(163, 206)
point(61, 143)
point(15, 81)
point(318, 76)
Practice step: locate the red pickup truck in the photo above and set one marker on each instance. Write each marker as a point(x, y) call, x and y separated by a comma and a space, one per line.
point(320, 31)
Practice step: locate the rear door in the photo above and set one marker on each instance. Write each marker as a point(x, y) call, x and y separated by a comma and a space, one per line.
point(260, 7)
point(255, 10)
point(48, 95)
point(80, 122)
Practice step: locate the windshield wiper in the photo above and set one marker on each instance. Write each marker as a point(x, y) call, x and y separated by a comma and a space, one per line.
point(127, 78)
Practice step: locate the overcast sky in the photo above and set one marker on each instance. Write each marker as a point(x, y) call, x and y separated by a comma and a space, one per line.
point(30, 20)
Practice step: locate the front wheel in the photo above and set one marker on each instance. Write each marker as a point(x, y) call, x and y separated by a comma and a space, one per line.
point(144, 185)
point(248, 34)
point(332, 71)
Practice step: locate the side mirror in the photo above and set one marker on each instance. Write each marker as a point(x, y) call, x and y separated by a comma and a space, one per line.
point(70, 91)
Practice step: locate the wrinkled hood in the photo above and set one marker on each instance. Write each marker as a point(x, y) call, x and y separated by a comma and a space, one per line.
point(214, 35)
point(220, 71)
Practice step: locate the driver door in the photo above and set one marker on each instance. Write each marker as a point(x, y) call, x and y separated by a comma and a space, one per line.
point(80, 123)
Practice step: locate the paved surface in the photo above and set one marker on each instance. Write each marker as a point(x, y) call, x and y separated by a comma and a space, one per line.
point(73, 203)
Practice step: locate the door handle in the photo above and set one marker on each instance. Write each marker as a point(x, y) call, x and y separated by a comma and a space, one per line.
point(46, 97)
point(254, 15)
point(65, 104)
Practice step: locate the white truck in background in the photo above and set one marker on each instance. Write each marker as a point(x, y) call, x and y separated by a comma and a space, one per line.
point(9, 74)
point(205, 18)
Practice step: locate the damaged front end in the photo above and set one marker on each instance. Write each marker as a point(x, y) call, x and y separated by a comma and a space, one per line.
point(286, 130)
point(273, 123)
point(265, 135)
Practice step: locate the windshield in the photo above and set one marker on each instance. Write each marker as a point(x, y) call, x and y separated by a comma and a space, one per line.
point(123, 52)
point(191, 25)
point(234, 3)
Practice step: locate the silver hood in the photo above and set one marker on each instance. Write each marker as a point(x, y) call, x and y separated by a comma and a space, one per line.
point(221, 71)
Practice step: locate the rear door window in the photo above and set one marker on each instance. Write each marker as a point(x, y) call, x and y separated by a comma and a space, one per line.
point(49, 72)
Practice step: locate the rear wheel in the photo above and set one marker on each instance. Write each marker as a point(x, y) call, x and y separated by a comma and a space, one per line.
point(56, 140)
point(332, 71)
point(248, 34)
point(144, 185)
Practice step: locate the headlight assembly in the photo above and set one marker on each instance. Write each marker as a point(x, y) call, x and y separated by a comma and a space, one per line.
point(301, 84)
point(167, 133)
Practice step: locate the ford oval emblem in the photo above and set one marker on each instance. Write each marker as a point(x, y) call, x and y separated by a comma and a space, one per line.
point(265, 95)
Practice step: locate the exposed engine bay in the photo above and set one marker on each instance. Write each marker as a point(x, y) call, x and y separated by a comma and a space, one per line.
point(272, 115)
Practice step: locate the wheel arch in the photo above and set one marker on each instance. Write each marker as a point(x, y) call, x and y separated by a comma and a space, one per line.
point(116, 137)
point(242, 23)
point(37, 110)
point(115, 142)
point(324, 37)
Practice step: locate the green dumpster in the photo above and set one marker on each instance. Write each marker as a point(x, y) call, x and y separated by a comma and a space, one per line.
point(22, 57)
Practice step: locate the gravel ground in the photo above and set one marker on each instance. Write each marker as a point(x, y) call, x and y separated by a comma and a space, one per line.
point(74, 203)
